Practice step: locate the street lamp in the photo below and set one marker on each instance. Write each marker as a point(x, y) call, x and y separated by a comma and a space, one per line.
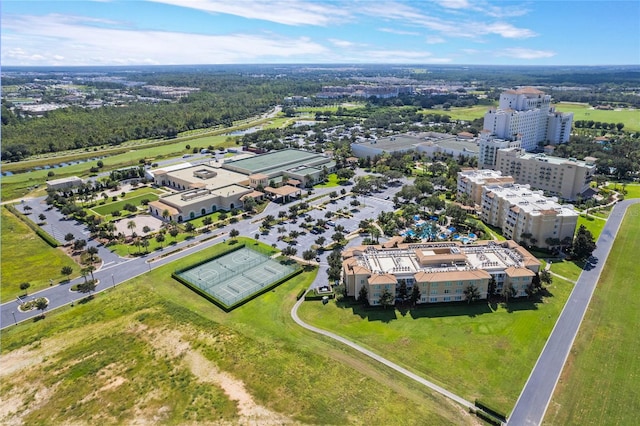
point(113, 281)
point(14, 317)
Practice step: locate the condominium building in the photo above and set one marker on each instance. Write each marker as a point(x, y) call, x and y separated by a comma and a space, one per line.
point(472, 182)
point(441, 270)
point(489, 146)
point(526, 215)
point(527, 114)
point(566, 178)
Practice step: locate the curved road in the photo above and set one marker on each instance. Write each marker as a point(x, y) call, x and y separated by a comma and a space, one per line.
point(296, 318)
point(536, 395)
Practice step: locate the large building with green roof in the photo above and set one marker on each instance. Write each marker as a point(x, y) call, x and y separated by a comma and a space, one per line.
point(204, 189)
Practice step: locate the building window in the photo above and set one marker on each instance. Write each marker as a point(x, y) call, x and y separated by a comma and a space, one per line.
point(447, 299)
point(433, 299)
point(447, 291)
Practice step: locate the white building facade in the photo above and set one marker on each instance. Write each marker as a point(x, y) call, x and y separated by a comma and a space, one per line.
point(527, 114)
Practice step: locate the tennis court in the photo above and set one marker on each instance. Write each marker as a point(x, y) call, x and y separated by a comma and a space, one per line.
point(236, 276)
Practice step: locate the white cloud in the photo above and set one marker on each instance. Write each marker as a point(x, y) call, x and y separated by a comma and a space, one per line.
point(342, 43)
point(43, 39)
point(465, 28)
point(288, 12)
point(400, 57)
point(434, 40)
point(507, 30)
point(400, 32)
point(454, 4)
point(523, 53)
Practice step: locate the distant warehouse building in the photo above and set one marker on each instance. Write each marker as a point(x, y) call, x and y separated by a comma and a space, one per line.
point(429, 143)
point(65, 183)
point(441, 270)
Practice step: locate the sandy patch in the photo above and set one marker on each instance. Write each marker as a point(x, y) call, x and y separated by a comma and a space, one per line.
point(170, 342)
point(141, 221)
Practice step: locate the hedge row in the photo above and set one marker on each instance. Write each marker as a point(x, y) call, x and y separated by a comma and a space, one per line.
point(301, 293)
point(312, 296)
point(35, 228)
point(488, 418)
point(497, 414)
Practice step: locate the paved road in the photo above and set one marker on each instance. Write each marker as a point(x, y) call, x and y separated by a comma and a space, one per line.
point(536, 395)
point(115, 269)
point(396, 367)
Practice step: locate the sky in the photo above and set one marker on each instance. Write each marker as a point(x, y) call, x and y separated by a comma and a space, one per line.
point(180, 32)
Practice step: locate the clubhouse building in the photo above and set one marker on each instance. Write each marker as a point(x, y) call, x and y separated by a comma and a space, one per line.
point(202, 189)
point(441, 270)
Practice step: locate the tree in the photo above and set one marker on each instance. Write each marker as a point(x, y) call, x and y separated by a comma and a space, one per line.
point(333, 195)
point(249, 204)
point(189, 227)
point(42, 217)
point(457, 214)
point(41, 305)
point(131, 225)
point(545, 277)
point(24, 286)
point(583, 244)
point(403, 291)
point(79, 244)
point(508, 291)
point(345, 173)
point(309, 255)
point(386, 298)
point(174, 232)
point(234, 233)
point(471, 293)
point(145, 243)
point(160, 239)
point(67, 271)
point(146, 229)
point(491, 287)
point(165, 214)
point(320, 241)
point(69, 237)
point(363, 296)
point(92, 251)
point(207, 221)
point(415, 294)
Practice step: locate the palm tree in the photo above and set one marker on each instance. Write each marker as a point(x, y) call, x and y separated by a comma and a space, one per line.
point(131, 225)
point(165, 214)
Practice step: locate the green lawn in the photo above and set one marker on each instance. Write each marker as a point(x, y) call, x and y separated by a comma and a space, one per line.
point(631, 119)
point(568, 269)
point(633, 190)
point(592, 224)
point(105, 209)
point(474, 351)
point(148, 351)
point(460, 113)
point(27, 258)
point(332, 181)
point(600, 382)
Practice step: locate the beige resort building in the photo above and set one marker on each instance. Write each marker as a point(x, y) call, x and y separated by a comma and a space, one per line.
point(442, 270)
point(207, 188)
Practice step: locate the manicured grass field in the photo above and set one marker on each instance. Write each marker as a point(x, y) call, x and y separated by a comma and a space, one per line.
point(332, 181)
point(461, 113)
point(475, 351)
point(630, 118)
point(633, 190)
point(136, 200)
point(152, 351)
point(568, 269)
point(600, 383)
point(592, 224)
point(26, 258)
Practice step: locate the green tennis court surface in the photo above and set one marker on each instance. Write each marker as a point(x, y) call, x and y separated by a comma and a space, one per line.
point(236, 276)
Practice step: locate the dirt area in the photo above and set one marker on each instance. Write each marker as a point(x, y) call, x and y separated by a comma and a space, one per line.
point(141, 221)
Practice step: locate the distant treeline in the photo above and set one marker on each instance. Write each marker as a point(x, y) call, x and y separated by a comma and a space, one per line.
point(222, 100)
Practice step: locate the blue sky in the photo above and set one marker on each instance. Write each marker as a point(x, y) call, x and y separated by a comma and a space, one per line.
point(139, 32)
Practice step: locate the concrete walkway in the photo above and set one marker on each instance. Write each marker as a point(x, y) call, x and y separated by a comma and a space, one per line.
point(394, 366)
point(536, 395)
